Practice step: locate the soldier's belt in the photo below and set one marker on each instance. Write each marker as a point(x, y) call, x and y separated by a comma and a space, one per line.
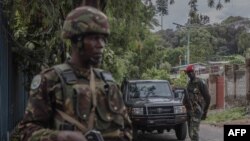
point(118, 134)
point(113, 134)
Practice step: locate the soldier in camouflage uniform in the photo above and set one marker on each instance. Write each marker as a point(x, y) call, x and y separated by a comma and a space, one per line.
point(69, 99)
point(196, 101)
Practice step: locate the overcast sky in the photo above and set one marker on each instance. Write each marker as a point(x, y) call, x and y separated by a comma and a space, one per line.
point(178, 12)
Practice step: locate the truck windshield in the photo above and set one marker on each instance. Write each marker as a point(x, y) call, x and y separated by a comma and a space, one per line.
point(149, 89)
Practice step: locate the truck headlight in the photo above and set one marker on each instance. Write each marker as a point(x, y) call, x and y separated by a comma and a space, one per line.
point(137, 111)
point(180, 109)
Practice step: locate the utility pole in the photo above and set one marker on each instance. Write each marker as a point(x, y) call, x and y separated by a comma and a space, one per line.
point(161, 21)
point(188, 47)
point(188, 42)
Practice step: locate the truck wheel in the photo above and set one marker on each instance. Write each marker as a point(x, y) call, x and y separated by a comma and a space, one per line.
point(181, 131)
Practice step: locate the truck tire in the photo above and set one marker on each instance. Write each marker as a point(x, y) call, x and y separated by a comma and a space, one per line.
point(181, 131)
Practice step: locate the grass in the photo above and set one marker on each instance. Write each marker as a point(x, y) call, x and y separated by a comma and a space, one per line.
point(226, 115)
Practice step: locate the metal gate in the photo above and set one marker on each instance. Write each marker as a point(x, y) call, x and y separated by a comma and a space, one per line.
point(12, 94)
point(4, 81)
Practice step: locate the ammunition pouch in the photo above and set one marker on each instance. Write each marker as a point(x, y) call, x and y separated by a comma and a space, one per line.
point(117, 135)
point(113, 134)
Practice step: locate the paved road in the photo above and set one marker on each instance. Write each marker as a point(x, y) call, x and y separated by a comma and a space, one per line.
point(207, 133)
point(211, 133)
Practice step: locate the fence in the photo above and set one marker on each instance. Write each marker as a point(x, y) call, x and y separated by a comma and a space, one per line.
point(12, 94)
point(235, 85)
point(230, 87)
point(4, 81)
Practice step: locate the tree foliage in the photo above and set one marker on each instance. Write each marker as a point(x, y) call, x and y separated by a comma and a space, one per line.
point(34, 28)
point(162, 7)
point(201, 48)
point(153, 73)
point(176, 56)
point(194, 16)
point(209, 42)
point(181, 81)
point(244, 42)
point(130, 36)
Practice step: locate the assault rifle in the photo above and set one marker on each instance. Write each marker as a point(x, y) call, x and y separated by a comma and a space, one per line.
point(91, 135)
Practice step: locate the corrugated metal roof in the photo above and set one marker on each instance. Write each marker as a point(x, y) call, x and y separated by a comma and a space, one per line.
point(184, 66)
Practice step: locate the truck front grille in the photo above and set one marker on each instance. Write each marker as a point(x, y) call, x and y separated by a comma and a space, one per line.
point(160, 110)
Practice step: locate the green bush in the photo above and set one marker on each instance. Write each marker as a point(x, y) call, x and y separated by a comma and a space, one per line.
point(154, 73)
point(226, 115)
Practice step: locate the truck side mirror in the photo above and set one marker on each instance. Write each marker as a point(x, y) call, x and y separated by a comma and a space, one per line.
point(180, 94)
point(176, 95)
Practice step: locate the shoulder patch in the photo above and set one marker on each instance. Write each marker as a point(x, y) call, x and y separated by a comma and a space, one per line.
point(65, 73)
point(107, 76)
point(36, 82)
point(104, 75)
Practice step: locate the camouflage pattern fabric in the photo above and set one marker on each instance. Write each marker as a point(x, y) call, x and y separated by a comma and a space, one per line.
point(41, 123)
point(197, 102)
point(198, 97)
point(193, 127)
point(85, 20)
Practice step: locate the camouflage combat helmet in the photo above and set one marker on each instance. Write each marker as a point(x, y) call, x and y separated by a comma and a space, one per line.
point(84, 20)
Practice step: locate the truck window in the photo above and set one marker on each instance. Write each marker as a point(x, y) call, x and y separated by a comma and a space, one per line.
point(149, 89)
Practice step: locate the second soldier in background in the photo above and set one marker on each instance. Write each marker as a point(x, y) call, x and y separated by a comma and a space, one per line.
point(196, 101)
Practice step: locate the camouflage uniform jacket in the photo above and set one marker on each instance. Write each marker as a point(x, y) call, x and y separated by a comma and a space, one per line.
point(41, 123)
point(198, 98)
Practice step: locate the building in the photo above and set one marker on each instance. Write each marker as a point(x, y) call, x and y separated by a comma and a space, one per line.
point(201, 70)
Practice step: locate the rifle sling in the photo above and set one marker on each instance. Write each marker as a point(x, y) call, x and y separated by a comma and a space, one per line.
point(94, 101)
point(72, 121)
point(92, 113)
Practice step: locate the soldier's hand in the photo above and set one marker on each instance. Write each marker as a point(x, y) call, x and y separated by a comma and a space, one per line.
point(70, 136)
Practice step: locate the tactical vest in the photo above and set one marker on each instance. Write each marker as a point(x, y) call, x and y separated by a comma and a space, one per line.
point(75, 99)
point(195, 97)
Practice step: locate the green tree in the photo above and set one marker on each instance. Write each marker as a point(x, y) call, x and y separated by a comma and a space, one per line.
point(176, 56)
point(181, 81)
point(130, 34)
point(35, 26)
point(235, 59)
point(244, 42)
point(154, 73)
point(162, 8)
point(201, 47)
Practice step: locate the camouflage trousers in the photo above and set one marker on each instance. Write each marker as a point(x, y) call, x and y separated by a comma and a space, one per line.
point(194, 127)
